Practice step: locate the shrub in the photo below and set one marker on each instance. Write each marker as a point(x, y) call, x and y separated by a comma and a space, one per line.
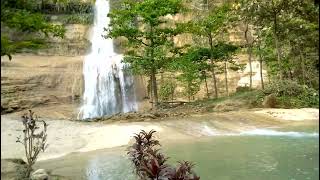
point(150, 163)
point(33, 142)
point(242, 89)
point(167, 89)
point(292, 94)
point(284, 88)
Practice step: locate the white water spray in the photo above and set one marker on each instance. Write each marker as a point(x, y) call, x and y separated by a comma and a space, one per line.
point(109, 89)
point(270, 132)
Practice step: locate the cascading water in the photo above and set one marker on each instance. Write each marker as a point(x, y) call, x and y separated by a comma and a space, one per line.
point(109, 88)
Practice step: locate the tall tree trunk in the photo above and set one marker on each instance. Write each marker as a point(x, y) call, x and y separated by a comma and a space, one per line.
point(151, 90)
point(161, 78)
point(226, 77)
point(276, 40)
point(189, 96)
point(154, 88)
point(153, 72)
point(171, 78)
point(250, 64)
point(206, 83)
point(212, 66)
point(260, 62)
point(249, 51)
point(303, 68)
point(41, 6)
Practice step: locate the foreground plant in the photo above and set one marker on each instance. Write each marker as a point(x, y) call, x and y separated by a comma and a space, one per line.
point(150, 163)
point(33, 142)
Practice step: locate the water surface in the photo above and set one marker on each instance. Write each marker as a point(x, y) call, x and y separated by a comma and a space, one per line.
point(242, 157)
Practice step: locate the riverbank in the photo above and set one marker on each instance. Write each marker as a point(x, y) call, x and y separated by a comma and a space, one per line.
point(65, 136)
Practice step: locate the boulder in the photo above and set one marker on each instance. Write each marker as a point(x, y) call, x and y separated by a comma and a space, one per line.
point(39, 174)
point(270, 101)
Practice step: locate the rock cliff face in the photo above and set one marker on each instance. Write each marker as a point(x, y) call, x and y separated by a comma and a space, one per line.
point(50, 78)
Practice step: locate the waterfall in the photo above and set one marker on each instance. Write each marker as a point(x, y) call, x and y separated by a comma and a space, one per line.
point(108, 85)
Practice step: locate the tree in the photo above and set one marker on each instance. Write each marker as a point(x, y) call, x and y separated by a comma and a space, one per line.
point(223, 51)
point(193, 65)
point(144, 25)
point(210, 27)
point(260, 62)
point(21, 17)
point(301, 37)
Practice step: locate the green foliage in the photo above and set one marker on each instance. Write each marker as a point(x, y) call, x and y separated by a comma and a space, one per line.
point(223, 50)
point(284, 88)
point(26, 21)
point(192, 64)
point(191, 82)
point(167, 89)
point(302, 101)
point(20, 19)
point(147, 46)
point(212, 24)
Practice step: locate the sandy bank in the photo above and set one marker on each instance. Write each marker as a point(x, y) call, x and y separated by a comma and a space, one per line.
point(68, 136)
point(292, 114)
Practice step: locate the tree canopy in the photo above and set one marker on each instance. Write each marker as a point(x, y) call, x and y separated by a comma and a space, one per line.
point(144, 24)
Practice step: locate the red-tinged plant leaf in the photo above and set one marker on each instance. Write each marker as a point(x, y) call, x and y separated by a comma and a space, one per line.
point(150, 164)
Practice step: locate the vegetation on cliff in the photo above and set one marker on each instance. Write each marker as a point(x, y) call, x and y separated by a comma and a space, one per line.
point(27, 25)
point(21, 17)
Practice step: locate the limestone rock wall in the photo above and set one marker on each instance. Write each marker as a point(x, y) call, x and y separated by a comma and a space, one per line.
point(75, 43)
point(30, 81)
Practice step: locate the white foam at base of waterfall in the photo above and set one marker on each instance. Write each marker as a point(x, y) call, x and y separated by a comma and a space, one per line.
point(209, 131)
